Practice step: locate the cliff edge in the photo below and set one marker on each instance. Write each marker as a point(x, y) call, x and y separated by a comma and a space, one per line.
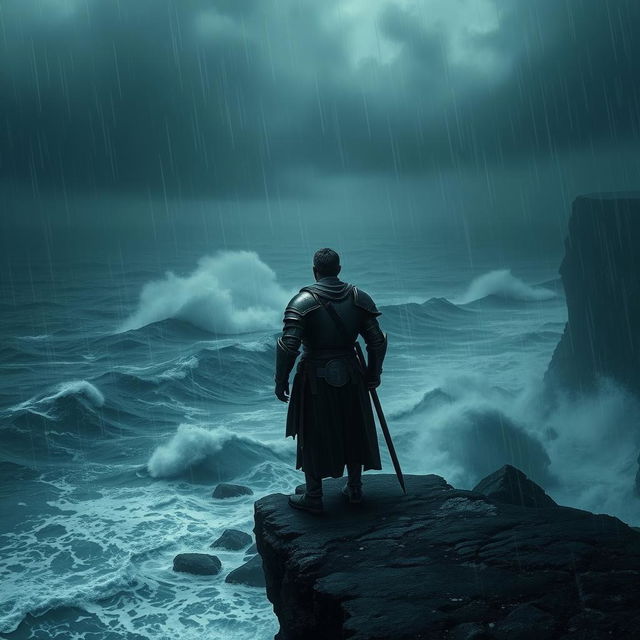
point(601, 277)
point(446, 563)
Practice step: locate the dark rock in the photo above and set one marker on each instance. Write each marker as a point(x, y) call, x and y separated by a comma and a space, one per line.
point(252, 549)
point(601, 277)
point(250, 573)
point(445, 563)
point(199, 563)
point(232, 540)
point(224, 490)
point(469, 631)
point(526, 622)
point(510, 485)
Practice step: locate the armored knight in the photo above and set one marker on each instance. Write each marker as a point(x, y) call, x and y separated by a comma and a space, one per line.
point(329, 410)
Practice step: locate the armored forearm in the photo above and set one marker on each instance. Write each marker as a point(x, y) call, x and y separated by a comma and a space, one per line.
point(376, 342)
point(288, 348)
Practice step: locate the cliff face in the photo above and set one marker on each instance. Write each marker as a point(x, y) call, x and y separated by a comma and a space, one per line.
point(446, 563)
point(601, 277)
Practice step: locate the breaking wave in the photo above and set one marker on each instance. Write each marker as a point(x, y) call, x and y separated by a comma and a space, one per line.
point(229, 293)
point(203, 454)
point(582, 450)
point(66, 393)
point(503, 284)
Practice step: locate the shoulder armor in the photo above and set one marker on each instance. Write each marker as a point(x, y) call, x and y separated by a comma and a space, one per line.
point(364, 301)
point(301, 304)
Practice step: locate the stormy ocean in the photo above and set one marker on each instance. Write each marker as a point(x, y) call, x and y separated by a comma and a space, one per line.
point(132, 386)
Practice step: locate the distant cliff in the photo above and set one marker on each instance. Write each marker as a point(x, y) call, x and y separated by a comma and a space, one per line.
point(442, 563)
point(601, 277)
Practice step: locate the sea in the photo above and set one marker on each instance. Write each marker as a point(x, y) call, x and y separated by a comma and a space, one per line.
point(133, 382)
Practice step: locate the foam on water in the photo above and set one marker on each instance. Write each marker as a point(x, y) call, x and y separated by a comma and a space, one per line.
point(502, 283)
point(212, 453)
point(184, 409)
point(228, 293)
point(583, 450)
point(81, 389)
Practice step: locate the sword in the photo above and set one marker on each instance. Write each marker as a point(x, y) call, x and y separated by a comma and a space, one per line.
point(383, 423)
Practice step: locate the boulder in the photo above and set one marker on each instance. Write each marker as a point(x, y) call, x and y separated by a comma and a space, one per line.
point(232, 540)
point(511, 486)
point(250, 573)
point(201, 564)
point(225, 490)
point(441, 562)
point(601, 278)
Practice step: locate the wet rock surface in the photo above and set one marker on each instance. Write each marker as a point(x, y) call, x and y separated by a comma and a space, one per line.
point(226, 490)
point(250, 573)
point(446, 563)
point(232, 540)
point(511, 486)
point(201, 564)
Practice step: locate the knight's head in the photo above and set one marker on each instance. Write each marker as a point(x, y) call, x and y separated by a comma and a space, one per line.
point(326, 262)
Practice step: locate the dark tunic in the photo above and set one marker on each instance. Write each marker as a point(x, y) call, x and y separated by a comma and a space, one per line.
point(330, 415)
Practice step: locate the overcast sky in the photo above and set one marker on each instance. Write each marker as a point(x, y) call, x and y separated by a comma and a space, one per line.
point(245, 99)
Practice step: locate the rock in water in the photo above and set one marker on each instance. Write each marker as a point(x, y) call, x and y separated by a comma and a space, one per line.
point(446, 563)
point(233, 540)
point(511, 486)
point(224, 490)
point(601, 277)
point(250, 573)
point(201, 564)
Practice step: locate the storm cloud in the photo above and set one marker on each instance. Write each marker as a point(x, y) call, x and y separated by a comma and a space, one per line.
point(202, 97)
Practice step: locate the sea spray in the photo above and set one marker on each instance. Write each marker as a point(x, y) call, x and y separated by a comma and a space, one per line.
point(229, 293)
point(502, 283)
point(210, 454)
point(582, 449)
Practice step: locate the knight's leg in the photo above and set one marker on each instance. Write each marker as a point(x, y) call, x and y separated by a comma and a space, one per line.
point(313, 485)
point(311, 499)
point(353, 489)
point(355, 475)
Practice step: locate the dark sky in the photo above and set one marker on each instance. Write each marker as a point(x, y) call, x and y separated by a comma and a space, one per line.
point(485, 101)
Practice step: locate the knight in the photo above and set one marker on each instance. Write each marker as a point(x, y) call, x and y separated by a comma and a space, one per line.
point(329, 411)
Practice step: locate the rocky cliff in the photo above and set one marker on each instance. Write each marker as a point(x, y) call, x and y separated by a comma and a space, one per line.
point(446, 563)
point(601, 277)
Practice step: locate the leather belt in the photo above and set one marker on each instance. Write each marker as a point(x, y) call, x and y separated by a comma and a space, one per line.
point(328, 354)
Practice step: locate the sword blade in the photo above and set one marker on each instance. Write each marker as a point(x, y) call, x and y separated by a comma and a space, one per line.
point(383, 423)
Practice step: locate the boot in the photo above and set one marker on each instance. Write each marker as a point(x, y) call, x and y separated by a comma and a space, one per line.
point(305, 502)
point(353, 489)
point(354, 494)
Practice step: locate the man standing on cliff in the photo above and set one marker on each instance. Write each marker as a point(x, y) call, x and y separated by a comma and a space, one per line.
point(329, 408)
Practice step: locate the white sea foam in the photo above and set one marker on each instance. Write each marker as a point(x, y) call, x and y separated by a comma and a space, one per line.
point(586, 446)
point(180, 370)
point(81, 388)
point(504, 284)
point(228, 293)
point(224, 452)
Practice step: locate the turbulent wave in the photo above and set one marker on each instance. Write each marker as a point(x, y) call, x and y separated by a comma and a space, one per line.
point(229, 293)
point(39, 601)
point(504, 285)
point(80, 391)
point(203, 454)
point(429, 319)
point(583, 449)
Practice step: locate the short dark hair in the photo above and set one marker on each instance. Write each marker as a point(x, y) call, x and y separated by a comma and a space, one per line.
point(327, 262)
